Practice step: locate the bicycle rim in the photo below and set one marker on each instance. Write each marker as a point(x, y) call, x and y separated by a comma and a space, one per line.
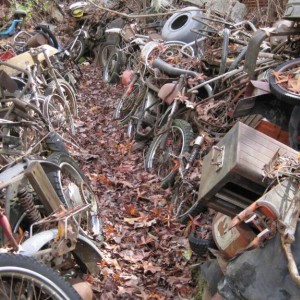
point(17, 283)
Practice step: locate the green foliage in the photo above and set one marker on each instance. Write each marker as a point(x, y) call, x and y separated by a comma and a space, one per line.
point(30, 6)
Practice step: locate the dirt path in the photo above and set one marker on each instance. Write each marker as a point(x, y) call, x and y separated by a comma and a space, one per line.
point(146, 253)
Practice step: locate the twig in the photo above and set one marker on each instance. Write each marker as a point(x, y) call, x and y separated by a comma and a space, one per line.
point(137, 16)
point(258, 9)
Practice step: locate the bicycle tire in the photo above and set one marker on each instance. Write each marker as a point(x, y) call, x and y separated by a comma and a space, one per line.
point(78, 49)
point(111, 71)
point(129, 101)
point(64, 160)
point(194, 210)
point(148, 116)
point(18, 269)
point(104, 52)
point(280, 92)
point(68, 92)
point(48, 32)
point(200, 246)
point(186, 135)
point(58, 114)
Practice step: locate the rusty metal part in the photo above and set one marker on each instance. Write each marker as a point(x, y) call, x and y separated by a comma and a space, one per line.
point(68, 229)
point(43, 187)
point(231, 241)
point(5, 225)
point(28, 206)
point(271, 204)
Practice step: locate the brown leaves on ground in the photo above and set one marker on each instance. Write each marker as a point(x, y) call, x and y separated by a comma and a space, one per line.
point(144, 247)
point(289, 80)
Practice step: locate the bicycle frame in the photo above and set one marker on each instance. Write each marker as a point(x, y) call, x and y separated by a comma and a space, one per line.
point(11, 29)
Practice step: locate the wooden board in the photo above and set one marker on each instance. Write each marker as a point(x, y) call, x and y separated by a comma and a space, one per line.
point(24, 59)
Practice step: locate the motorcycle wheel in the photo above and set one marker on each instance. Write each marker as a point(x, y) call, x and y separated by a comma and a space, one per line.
point(77, 50)
point(278, 90)
point(112, 69)
point(68, 181)
point(23, 277)
point(130, 100)
point(166, 148)
point(68, 174)
point(68, 92)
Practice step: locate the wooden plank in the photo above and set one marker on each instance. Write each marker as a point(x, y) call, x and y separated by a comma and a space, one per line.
point(24, 59)
point(43, 187)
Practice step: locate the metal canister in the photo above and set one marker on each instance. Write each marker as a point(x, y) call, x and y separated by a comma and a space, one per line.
point(292, 11)
point(231, 241)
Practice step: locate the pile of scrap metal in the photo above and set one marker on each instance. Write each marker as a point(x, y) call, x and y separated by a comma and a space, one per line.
point(258, 241)
point(207, 73)
point(251, 180)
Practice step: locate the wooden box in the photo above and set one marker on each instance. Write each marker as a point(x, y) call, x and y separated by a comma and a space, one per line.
point(232, 172)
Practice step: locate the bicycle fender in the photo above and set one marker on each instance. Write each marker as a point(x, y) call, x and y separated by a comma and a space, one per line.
point(86, 250)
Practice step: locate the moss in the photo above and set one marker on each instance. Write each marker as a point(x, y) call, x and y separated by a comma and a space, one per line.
point(199, 282)
point(200, 288)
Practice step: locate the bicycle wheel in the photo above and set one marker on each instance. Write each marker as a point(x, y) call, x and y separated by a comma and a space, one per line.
point(165, 150)
point(22, 277)
point(72, 187)
point(184, 196)
point(76, 49)
point(132, 128)
point(130, 100)
point(104, 53)
point(112, 69)
point(144, 120)
point(67, 91)
point(285, 90)
point(58, 114)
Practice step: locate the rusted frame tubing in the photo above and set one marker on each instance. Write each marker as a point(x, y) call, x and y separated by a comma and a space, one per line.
point(43, 187)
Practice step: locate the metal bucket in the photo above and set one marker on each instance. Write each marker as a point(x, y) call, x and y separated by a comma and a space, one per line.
point(231, 241)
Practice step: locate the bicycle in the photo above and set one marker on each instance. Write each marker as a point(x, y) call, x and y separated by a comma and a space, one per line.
point(16, 25)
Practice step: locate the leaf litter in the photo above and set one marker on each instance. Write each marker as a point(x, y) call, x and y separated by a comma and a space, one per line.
point(146, 255)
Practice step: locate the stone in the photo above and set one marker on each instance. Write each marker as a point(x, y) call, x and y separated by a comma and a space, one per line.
point(237, 9)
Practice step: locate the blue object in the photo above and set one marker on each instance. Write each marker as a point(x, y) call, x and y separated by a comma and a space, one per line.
point(11, 30)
